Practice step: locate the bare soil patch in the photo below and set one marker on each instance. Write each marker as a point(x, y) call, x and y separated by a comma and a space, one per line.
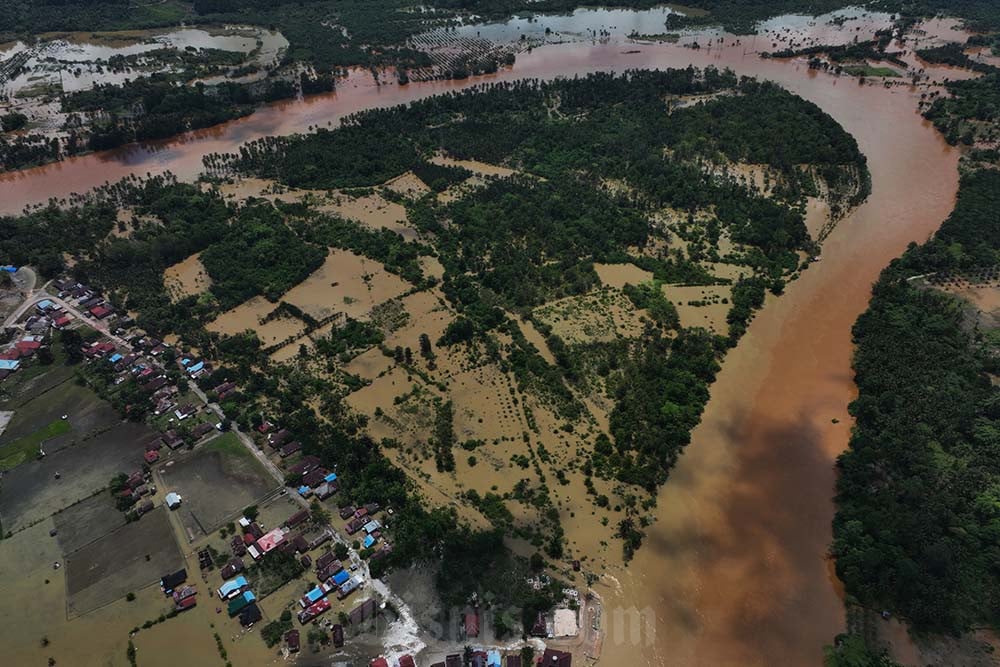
point(186, 278)
point(31, 492)
point(346, 283)
point(217, 480)
point(132, 557)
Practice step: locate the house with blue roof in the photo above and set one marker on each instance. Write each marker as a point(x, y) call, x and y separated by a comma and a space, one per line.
point(231, 587)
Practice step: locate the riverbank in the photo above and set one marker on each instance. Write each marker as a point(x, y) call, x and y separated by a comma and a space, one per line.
point(734, 572)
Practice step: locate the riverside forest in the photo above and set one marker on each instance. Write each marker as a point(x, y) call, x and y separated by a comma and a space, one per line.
point(497, 319)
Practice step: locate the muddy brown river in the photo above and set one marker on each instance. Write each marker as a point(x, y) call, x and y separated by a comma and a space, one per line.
point(735, 570)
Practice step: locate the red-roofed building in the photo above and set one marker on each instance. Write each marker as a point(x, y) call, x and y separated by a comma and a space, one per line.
point(380, 662)
point(152, 456)
point(407, 661)
point(100, 312)
point(62, 321)
point(271, 540)
point(471, 624)
point(554, 658)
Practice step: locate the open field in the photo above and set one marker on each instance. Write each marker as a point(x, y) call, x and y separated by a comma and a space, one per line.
point(346, 283)
point(132, 557)
point(31, 492)
point(33, 606)
point(25, 448)
point(87, 521)
point(599, 316)
point(86, 414)
point(186, 278)
point(217, 480)
point(247, 316)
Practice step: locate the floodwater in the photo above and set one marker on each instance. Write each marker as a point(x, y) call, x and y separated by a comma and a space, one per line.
point(585, 21)
point(77, 61)
point(734, 572)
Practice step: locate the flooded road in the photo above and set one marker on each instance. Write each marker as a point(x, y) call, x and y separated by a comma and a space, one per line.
point(734, 571)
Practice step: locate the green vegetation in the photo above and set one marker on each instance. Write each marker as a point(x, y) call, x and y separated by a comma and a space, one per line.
point(259, 255)
point(167, 108)
point(851, 651)
point(273, 632)
point(870, 71)
point(23, 449)
point(916, 526)
point(509, 246)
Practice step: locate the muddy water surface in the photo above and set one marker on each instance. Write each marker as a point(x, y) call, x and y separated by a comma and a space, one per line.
point(734, 571)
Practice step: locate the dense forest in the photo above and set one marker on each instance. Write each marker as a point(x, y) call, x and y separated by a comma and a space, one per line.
point(522, 241)
point(507, 247)
point(918, 526)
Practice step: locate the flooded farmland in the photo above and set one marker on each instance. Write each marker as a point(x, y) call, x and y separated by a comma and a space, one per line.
point(735, 569)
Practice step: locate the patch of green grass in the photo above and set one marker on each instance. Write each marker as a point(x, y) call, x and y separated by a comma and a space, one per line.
point(869, 70)
point(25, 448)
point(228, 444)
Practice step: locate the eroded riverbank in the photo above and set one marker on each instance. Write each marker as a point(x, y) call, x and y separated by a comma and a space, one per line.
point(734, 571)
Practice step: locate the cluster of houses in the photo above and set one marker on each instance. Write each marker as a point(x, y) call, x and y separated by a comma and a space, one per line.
point(20, 351)
point(173, 586)
point(240, 600)
point(86, 300)
point(404, 661)
point(138, 488)
point(491, 658)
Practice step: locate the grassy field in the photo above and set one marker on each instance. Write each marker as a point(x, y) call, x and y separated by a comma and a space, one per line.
point(123, 561)
point(217, 480)
point(869, 70)
point(23, 449)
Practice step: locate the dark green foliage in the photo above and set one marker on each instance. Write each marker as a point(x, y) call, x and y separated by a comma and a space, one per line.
point(351, 156)
point(11, 121)
point(259, 254)
point(650, 297)
point(383, 245)
point(444, 437)
point(438, 177)
point(273, 632)
point(353, 336)
point(658, 405)
point(971, 101)
point(918, 524)
point(954, 54)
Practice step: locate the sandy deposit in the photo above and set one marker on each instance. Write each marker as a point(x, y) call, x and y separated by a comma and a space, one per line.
point(619, 275)
point(345, 283)
point(186, 278)
point(247, 317)
point(600, 316)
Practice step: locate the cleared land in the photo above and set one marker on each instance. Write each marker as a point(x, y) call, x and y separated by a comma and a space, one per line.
point(132, 557)
point(217, 480)
point(87, 521)
point(31, 492)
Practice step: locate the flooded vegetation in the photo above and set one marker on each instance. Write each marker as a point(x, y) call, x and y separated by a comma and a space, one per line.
point(489, 379)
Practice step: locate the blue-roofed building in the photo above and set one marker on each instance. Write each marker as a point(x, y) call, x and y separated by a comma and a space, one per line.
point(196, 368)
point(9, 364)
point(315, 595)
point(44, 304)
point(232, 587)
point(341, 577)
point(372, 526)
point(185, 361)
point(332, 477)
point(115, 358)
point(368, 541)
point(493, 658)
point(304, 490)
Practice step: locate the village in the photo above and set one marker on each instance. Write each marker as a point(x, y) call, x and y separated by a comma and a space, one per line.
point(181, 507)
